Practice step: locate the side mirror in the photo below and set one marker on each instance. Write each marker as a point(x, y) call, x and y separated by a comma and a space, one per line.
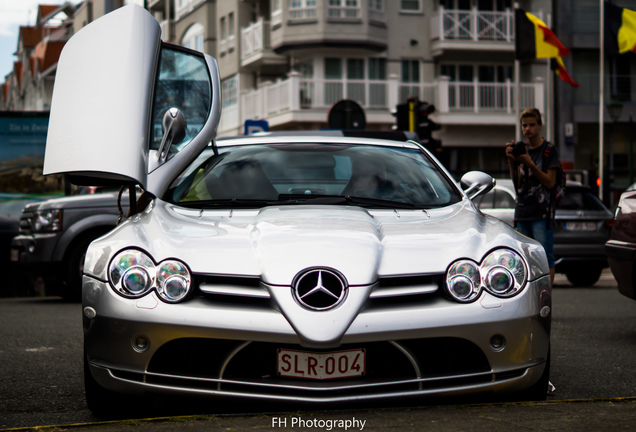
point(174, 128)
point(475, 183)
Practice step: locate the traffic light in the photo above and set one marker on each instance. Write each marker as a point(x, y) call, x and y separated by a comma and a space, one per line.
point(425, 126)
point(403, 116)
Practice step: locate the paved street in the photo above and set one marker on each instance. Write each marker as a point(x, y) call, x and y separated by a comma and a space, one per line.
point(594, 344)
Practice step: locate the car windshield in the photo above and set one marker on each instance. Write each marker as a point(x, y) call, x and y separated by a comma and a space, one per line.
point(580, 199)
point(301, 173)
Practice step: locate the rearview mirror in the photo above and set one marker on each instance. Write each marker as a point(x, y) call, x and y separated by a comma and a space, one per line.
point(174, 128)
point(475, 183)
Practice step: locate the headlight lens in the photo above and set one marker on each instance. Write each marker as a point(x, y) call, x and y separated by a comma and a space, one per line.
point(173, 281)
point(47, 221)
point(502, 273)
point(133, 274)
point(463, 281)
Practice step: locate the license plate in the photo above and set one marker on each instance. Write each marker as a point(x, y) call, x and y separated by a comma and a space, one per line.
point(15, 255)
point(579, 226)
point(320, 366)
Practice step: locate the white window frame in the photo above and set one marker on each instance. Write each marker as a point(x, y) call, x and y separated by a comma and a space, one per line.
point(300, 10)
point(193, 37)
point(343, 9)
point(229, 92)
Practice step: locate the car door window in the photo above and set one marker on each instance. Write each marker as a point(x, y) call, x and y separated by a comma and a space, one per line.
point(183, 83)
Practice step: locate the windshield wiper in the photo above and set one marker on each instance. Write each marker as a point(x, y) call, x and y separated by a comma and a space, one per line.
point(300, 199)
point(347, 199)
point(227, 202)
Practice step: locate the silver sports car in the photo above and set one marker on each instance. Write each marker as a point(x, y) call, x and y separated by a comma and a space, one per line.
point(300, 268)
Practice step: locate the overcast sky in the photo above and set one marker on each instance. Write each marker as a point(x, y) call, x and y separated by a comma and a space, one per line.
point(13, 14)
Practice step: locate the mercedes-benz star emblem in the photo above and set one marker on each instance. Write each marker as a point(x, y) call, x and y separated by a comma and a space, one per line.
point(320, 289)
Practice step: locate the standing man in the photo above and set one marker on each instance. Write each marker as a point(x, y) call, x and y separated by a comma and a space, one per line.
point(533, 168)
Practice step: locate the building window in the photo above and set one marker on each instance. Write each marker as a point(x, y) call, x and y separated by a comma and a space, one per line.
point(411, 6)
point(302, 9)
point(193, 37)
point(307, 88)
point(333, 68)
point(410, 71)
point(231, 39)
point(344, 9)
point(222, 36)
point(277, 13)
point(229, 92)
point(377, 69)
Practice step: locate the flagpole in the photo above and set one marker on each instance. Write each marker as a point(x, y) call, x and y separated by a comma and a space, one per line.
point(548, 93)
point(601, 149)
point(516, 91)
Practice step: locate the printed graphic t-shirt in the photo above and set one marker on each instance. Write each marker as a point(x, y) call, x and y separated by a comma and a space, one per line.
point(533, 198)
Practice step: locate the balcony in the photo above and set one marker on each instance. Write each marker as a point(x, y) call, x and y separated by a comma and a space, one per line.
point(472, 30)
point(298, 99)
point(256, 51)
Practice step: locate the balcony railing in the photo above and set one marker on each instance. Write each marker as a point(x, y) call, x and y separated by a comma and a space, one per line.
point(473, 25)
point(297, 94)
point(299, 14)
point(343, 12)
point(253, 38)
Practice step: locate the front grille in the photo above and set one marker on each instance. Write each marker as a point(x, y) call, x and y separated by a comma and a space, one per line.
point(388, 289)
point(242, 367)
point(26, 222)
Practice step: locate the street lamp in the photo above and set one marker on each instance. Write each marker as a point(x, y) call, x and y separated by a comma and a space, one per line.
point(615, 108)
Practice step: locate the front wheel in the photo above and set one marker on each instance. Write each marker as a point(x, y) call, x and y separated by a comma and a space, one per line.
point(584, 276)
point(539, 390)
point(100, 401)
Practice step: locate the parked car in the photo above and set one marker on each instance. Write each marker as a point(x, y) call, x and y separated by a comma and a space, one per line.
point(621, 247)
point(583, 225)
point(10, 210)
point(299, 268)
point(55, 233)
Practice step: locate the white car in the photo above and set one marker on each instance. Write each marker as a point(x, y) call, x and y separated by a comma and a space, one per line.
point(303, 268)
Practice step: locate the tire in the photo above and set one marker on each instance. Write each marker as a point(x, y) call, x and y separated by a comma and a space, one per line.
point(74, 268)
point(584, 276)
point(99, 400)
point(539, 390)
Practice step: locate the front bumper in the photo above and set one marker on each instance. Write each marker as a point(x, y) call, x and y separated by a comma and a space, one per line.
point(621, 256)
point(204, 348)
point(35, 253)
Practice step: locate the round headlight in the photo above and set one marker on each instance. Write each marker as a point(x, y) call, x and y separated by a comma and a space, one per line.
point(504, 273)
point(461, 287)
point(463, 281)
point(131, 273)
point(136, 280)
point(499, 280)
point(173, 281)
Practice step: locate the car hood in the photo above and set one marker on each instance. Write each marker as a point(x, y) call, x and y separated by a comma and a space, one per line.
point(275, 243)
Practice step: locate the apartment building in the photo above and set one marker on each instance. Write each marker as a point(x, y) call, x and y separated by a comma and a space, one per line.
point(577, 110)
point(289, 61)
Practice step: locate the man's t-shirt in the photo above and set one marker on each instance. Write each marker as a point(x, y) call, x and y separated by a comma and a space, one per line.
point(533, 198)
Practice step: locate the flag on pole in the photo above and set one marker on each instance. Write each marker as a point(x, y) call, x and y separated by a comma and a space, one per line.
point(620, 29)
point(533, 39)
point(562, 72)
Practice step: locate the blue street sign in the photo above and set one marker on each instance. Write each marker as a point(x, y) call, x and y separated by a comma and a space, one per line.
point(254, 126)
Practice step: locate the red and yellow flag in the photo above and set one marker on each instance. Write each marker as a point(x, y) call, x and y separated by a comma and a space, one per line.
point(533, 39)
